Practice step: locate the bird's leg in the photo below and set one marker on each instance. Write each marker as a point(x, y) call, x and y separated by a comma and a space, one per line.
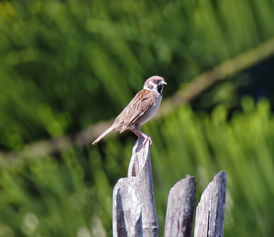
point(138, 133)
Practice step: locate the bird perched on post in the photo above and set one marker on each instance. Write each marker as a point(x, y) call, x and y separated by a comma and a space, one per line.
point(139, 110)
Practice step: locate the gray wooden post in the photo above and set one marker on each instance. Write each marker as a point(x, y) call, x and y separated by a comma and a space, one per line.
point(180, 207)
point(209, 221)
point(127, 209)
point(134, 212)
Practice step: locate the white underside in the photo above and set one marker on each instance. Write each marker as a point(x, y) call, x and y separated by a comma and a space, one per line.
point(151, 112)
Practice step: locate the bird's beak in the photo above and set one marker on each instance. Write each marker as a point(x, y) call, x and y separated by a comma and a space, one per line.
point(163, 83)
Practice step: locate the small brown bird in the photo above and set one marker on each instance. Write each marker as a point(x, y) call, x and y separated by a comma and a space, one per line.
point(140, 109)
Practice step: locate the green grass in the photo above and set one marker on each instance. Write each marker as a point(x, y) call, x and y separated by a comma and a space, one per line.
point(60, 196)
point(58, 57)
point(63, 67)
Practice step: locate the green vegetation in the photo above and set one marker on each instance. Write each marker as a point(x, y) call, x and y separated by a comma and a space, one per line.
point(61, 196)
point(57, 57)
point(68, 64)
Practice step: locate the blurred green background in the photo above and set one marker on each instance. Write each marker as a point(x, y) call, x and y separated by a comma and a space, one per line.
point(66, 65)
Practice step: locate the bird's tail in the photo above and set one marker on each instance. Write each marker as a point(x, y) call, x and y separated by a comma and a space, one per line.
point(109, 130)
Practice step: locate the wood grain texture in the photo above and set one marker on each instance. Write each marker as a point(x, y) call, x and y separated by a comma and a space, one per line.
point(134, 212)
point(180, 208)
point(127, 209)
point(209, 221)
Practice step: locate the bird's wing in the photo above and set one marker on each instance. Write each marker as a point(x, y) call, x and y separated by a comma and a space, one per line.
point(142, 101)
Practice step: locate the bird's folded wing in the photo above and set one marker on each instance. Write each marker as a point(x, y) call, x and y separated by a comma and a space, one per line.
point(142, 102)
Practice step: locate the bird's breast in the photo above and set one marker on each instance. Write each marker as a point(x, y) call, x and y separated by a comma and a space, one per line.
point(151, 111)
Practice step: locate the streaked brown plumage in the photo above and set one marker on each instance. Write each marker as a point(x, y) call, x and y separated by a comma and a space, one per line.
point(140, 109)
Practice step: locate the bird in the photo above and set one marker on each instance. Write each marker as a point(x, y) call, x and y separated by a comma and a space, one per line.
point(140, 109)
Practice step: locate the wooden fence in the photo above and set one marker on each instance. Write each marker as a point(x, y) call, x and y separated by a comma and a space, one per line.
point(134, 212)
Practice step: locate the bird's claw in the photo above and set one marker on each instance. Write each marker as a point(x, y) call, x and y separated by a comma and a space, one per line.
point(147, 139)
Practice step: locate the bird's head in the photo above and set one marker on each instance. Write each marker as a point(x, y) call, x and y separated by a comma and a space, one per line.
point(155, 83)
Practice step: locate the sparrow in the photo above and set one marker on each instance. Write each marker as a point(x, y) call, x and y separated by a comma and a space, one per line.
point(139, 110)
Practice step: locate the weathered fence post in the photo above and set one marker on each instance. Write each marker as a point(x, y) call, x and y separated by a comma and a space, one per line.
point(127, 210)
point(134, 212)
point(209, 221)
point(180, 207)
